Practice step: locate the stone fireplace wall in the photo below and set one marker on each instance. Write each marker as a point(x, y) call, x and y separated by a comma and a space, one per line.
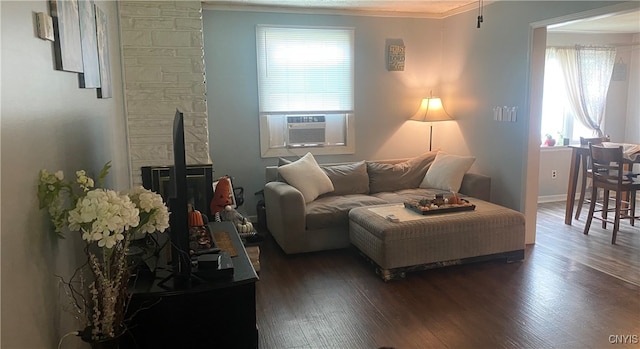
point(163, 67)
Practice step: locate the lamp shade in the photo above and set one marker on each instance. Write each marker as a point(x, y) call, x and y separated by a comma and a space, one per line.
point(431, 110)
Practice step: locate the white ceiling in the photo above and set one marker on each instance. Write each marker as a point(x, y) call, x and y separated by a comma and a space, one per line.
point(619, 23)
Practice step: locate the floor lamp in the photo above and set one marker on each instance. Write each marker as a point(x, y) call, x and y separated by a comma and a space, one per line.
point(431, 110)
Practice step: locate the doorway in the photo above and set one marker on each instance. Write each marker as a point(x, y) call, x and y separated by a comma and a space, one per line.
point(539, 40)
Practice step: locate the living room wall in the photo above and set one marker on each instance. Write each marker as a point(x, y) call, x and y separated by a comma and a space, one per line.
point(47, 122)
point(384, 100)
point(472, 69)
point(490, 67)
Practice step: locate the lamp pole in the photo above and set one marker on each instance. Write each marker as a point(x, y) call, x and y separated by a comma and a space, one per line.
point(430, 135)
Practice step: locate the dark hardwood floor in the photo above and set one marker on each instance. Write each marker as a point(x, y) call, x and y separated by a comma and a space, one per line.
point(572, 291)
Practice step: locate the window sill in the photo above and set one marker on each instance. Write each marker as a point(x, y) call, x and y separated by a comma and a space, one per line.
point(327, 150)
point(547, 149)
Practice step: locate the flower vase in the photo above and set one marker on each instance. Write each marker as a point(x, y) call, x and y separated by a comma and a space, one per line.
point(101, 343)
point(107, 343)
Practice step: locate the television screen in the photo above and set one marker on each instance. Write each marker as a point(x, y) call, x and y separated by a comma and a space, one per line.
point(178, 220)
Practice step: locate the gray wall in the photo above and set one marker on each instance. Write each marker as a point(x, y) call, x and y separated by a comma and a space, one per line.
point(490, 67)
point(47, 122)
point(553, 159)
point(472, 69)
point(383, 100)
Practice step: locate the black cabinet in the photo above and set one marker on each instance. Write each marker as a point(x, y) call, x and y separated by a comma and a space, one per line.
point(206, 314)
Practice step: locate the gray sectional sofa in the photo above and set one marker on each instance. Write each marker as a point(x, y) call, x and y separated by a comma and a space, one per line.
point(323, 223)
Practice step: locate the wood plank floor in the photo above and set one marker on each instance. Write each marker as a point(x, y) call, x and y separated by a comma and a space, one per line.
point(595, 250)
point(561, 296)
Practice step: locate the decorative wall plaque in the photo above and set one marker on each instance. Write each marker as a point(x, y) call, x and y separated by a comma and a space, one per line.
point(396, 58)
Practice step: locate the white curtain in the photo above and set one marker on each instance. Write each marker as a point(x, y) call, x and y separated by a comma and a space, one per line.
point(587, 73)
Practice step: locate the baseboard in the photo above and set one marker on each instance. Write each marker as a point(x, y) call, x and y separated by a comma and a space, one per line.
point(552, 198)
point(562, 197)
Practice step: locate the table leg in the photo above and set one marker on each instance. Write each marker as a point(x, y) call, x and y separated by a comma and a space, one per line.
point(571, 190)
point(626, 167)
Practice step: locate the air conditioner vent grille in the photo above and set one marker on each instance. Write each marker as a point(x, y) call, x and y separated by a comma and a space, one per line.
point(309, 130)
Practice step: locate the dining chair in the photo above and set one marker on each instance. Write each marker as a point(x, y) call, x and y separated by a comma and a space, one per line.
point(607, 164)
point(586, 170)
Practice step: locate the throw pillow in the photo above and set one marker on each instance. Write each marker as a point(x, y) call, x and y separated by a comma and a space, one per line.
point(447, 171)
point(305, 175)
point(386, 177)
point(348, 178)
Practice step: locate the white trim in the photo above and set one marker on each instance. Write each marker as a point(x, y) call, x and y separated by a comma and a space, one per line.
point(552, 198)
point(556, 148)
point(607, 10)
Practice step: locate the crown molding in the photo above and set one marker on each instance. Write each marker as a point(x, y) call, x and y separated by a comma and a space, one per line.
point(232, 6)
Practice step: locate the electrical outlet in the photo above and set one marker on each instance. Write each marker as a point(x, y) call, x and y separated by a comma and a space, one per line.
point(554, 174)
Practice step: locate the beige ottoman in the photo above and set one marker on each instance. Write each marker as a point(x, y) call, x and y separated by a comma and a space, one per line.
point(420, 242)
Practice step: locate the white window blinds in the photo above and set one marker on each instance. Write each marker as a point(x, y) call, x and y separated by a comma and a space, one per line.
point(305, 70)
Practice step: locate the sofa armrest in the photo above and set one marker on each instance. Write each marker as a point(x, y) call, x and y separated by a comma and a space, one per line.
point(286, 214)
point(476, 185)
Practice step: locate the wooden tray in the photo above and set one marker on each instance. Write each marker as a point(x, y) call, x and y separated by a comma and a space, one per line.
point(442, 209)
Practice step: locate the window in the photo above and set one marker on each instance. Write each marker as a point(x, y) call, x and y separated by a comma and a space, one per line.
point(305, 90)
point(557, 117)
point(576, 82)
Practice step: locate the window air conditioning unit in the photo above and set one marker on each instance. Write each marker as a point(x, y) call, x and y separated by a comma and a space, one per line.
point(306, 130)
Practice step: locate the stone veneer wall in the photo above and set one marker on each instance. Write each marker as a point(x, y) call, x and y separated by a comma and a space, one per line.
point(163, 64)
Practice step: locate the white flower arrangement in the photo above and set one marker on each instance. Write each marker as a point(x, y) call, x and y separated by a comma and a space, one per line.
point(107, 221)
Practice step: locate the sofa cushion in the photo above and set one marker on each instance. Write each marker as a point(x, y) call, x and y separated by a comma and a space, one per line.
point(404, 175)
point(447, 171)
point(305, 175)
point(403, 195)
point(349, 178)
point(333, 211)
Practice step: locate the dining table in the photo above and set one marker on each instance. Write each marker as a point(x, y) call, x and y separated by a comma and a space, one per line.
point(630, 153)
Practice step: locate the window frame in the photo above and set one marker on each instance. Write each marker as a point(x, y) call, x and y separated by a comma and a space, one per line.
point(266, 149)
point(568, 120)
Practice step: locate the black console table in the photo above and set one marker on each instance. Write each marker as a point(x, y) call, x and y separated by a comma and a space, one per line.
point(206, 314)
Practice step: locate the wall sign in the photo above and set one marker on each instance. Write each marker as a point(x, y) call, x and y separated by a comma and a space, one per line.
point(396, 58)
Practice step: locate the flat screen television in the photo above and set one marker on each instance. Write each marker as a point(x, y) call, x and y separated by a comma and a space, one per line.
point(179, 219)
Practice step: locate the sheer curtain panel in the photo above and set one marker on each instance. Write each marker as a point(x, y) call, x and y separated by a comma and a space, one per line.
point(587, 72)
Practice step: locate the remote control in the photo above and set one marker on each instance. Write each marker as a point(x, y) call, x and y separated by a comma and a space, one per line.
point(393, 218)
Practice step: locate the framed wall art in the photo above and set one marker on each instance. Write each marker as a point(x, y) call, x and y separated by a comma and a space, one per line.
point(67, 44)
point(104, 91)
point(90, 77)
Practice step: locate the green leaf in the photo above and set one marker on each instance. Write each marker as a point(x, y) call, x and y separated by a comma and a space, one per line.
point(103, 173)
